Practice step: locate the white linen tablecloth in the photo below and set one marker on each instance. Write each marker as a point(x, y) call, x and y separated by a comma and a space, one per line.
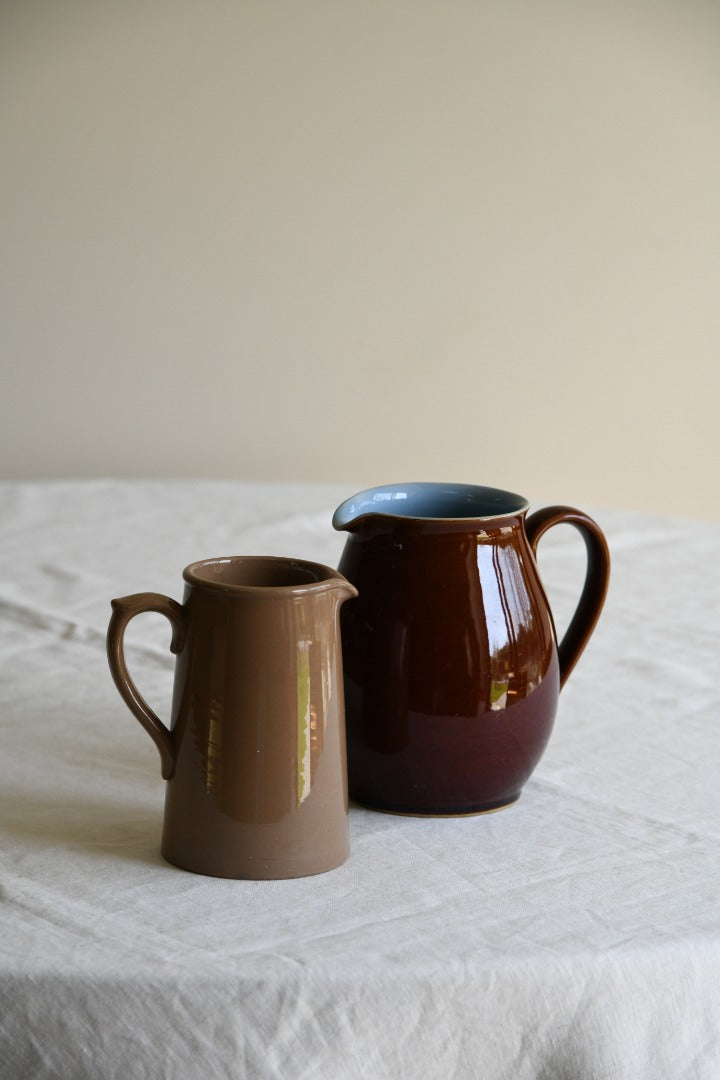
point(574, 936)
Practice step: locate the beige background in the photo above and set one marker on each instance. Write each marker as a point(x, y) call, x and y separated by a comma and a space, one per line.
point(364, 241)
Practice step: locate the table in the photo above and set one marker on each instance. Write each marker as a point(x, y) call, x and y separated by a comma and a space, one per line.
point(574, 935)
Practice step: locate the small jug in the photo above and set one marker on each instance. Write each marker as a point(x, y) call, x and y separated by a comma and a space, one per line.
point(254, 757)
point(452, 669)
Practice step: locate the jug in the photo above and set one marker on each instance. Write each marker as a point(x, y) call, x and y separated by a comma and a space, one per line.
point(451, 665)
point(254, 757)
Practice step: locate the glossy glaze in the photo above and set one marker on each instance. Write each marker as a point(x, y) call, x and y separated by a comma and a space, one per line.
point(255, 752)
point(452, 671)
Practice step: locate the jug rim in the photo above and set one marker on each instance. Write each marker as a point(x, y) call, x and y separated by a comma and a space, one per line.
point(263, 575)
point(423, 501)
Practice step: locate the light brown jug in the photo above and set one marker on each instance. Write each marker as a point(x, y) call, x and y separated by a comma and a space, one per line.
point(255, 753)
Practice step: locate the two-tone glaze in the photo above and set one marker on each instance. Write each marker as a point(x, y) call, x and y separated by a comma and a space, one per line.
point(451, 665)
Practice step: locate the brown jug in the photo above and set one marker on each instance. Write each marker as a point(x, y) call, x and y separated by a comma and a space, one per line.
point(451, 664)
point(254, 755)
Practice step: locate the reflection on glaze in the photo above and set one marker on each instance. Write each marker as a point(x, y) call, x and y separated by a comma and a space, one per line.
point(210, 736)
point(316, 663)
point(514, 651)
point(213, 758)
point(303, 720)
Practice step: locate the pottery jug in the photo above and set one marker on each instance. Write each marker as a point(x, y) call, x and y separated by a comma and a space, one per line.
point(254, 756)
point(451, 664)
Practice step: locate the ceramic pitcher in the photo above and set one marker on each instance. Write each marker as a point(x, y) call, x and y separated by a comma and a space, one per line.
point(254, 756)
point(452, 667)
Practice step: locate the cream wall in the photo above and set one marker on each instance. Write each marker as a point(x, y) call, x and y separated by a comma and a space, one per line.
point(365, 241)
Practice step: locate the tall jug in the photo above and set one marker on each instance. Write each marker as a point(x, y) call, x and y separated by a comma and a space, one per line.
point(254, 756)
point(452, 667)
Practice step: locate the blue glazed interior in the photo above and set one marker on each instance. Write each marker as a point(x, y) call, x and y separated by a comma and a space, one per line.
point(429, 500)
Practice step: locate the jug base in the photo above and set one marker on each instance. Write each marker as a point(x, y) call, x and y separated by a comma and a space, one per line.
point(478, 812)
point(247, 868)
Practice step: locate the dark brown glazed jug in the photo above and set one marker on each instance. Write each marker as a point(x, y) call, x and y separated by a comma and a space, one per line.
point(451, 665)
point(254, 756)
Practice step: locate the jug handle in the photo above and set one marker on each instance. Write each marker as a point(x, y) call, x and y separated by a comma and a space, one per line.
point(125, 609)
point(597, 577)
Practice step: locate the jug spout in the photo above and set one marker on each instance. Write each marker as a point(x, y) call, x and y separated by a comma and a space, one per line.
point(351, 512)
point(345, 591)
point(393, 500)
